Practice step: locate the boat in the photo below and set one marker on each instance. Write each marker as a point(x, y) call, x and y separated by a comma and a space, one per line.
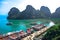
point(38, 27)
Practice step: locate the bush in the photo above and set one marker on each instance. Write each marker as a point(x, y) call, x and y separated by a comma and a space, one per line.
point(53, 32)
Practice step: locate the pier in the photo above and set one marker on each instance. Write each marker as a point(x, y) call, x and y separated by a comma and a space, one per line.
point(31, 37)
point(15, 36)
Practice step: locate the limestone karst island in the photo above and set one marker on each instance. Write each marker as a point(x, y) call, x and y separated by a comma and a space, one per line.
point(29, 24)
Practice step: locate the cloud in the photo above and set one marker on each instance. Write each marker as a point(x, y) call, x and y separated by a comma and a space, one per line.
point(51, 4)
point(6, 5)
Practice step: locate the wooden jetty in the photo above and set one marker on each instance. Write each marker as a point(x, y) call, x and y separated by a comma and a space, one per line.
point(37, 33)
point(30, 37)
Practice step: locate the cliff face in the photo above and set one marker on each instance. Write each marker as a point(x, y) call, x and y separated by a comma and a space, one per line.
point(45, 12)
point(28, 13)
point(14, 13)
point(31, 13)
point(56, 14)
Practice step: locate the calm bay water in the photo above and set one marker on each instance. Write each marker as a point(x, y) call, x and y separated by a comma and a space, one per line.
point(19, 24)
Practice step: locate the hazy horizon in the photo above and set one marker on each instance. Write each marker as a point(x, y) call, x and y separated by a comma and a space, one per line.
point(6, 5)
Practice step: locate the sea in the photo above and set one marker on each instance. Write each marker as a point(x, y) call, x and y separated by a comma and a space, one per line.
point(18, 25)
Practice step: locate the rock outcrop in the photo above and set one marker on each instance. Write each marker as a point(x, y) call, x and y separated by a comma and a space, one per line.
point(56, 14)
point(45, 12)
point(14, 13)
point(29, 12)
point(32, 13)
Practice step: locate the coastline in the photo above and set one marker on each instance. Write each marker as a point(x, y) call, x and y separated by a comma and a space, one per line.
point(31, 36)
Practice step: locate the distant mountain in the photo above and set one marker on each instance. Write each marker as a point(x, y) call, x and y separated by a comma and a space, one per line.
point(45, 12)
point(14, 13)
point(32, 13)
point(56, 14)
point(29, 12)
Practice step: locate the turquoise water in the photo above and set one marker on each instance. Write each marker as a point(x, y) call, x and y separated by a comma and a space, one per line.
point(18, 24)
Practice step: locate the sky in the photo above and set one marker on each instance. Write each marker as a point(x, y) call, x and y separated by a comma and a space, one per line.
point(6, 5)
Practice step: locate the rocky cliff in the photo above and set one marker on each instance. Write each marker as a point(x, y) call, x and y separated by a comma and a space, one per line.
point(14, 13)
point(56, 14)
point(45, 12)
point(32, 13)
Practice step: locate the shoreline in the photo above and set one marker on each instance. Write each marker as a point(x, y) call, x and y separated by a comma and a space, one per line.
point(30, 36)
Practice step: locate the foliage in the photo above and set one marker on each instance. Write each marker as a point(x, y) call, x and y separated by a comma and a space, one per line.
point(52, 33)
